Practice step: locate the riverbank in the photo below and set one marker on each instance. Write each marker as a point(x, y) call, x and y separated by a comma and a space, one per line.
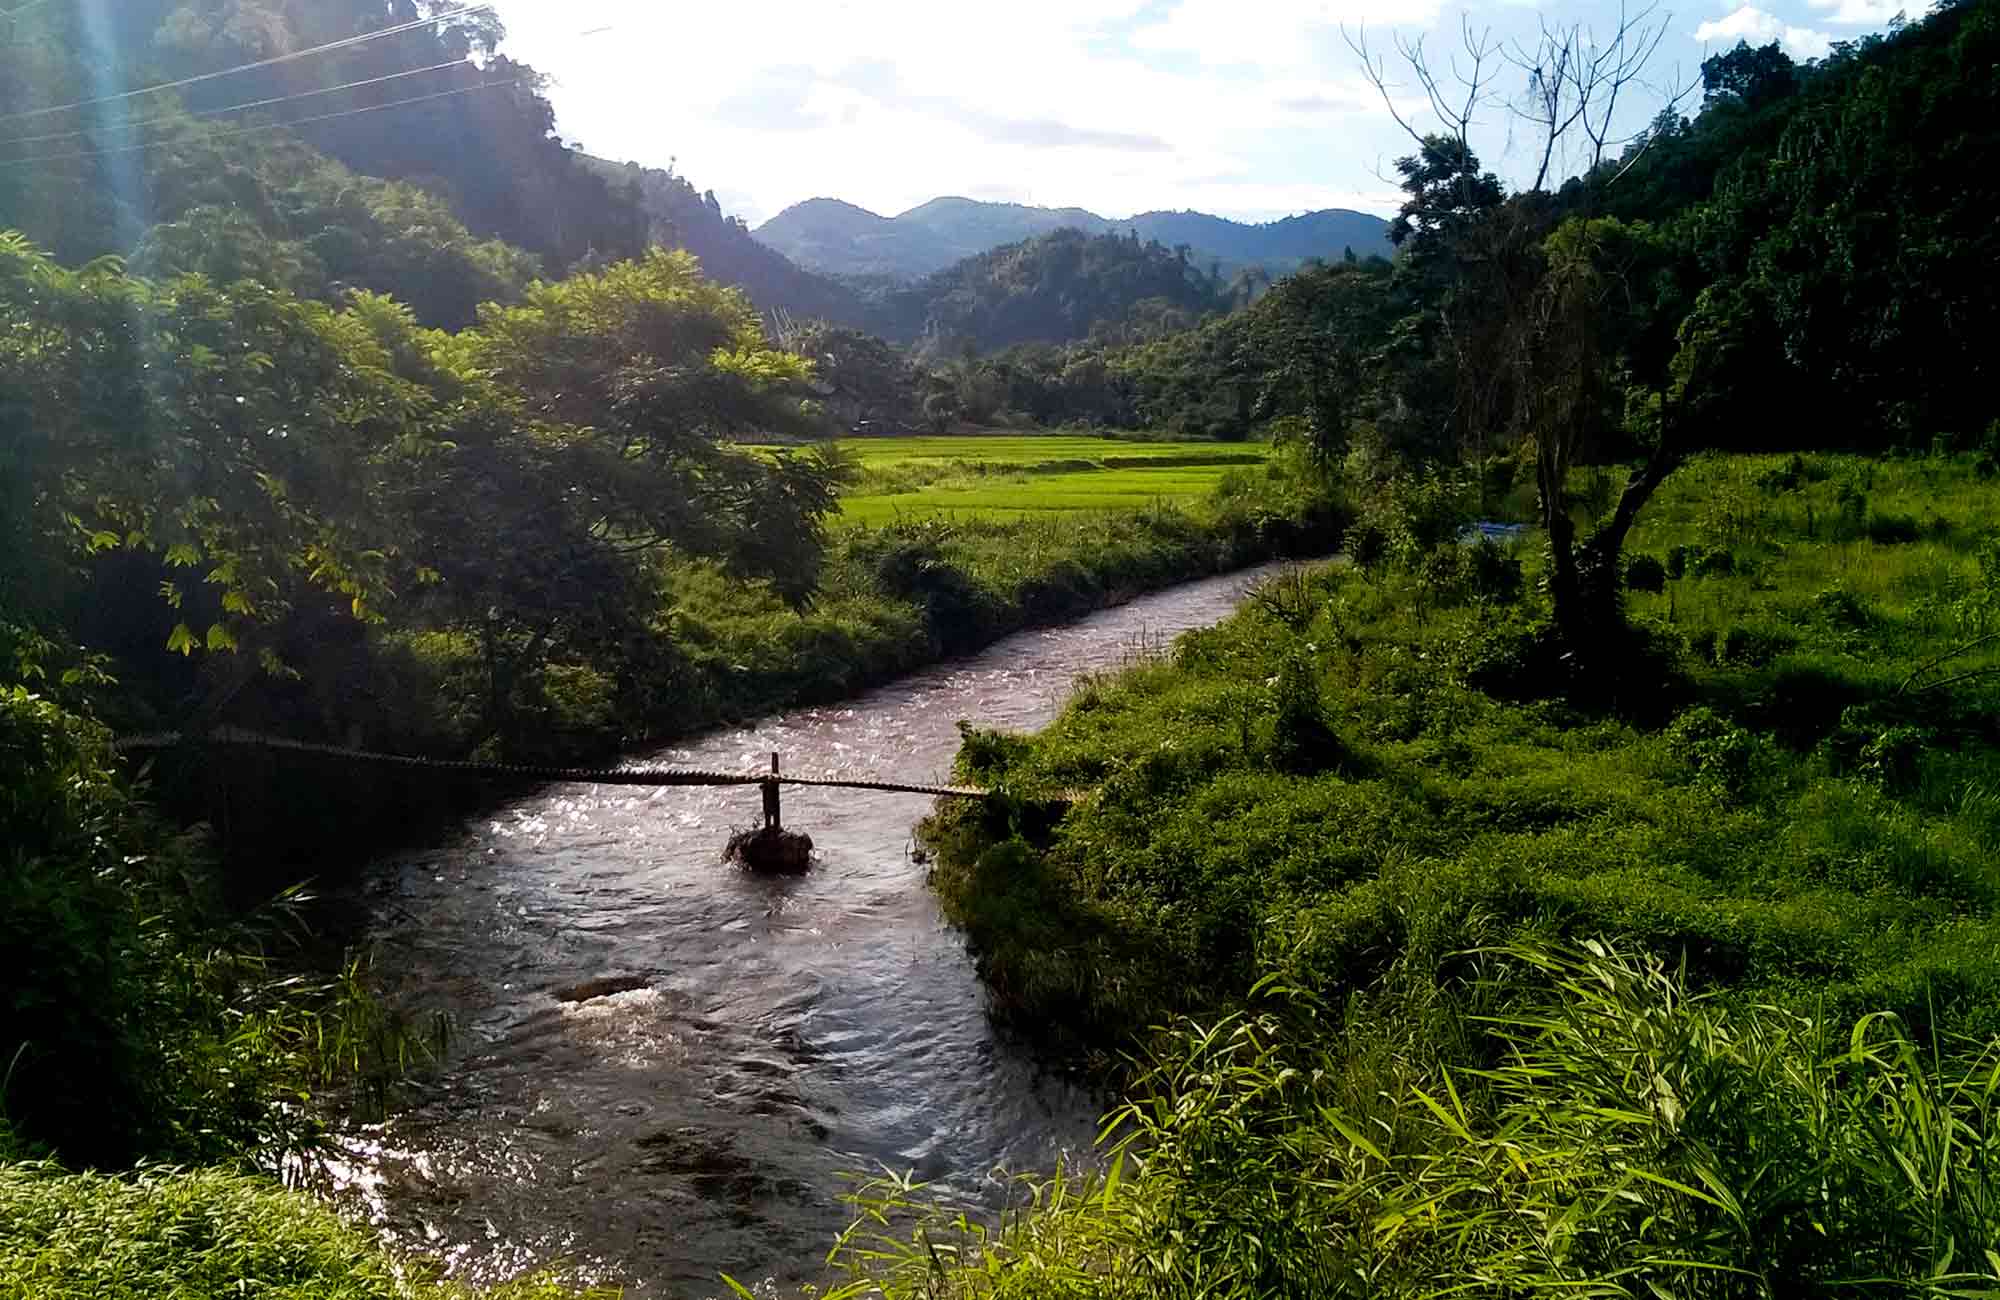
point(1494, 981)
point(722, 651)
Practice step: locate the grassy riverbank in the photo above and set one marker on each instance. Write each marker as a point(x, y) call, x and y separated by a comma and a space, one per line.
point(1364, 813)
point(208, 1233)
point(890, 596)
point(720, 650)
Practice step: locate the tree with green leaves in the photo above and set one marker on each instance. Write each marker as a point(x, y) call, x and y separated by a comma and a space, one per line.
point(587, 431)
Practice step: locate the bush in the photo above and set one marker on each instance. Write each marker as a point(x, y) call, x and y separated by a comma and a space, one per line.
point(137, 1021)
point(1491, 574)
point(1514, 659)
point(1713, 564)
point(1303, 741)
point(1367, 545)
point(1700, 562)
point(1892, 530)
point(1753, 647)
point(201, 1234)
point(1646, 573)
point(1840, 608)
point(83, 948)
point(1717, 753)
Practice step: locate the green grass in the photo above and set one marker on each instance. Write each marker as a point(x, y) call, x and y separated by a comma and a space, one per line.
point(1372, 776)
point(912, 586)
point(1031, 449)
point(1015, 476)
point(196, 1236)
point(1014, 496)
point(1610, 1136)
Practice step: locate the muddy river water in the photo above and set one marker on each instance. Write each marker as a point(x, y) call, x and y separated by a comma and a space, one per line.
point(661, 1066)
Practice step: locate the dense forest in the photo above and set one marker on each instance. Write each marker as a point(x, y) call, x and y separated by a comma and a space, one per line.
point(1608, 913)
point(1053, 288)
point(467, 199)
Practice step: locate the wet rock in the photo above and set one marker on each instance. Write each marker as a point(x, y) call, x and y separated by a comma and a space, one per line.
point(602, 987)
point(713, 1167)
point(769, 851)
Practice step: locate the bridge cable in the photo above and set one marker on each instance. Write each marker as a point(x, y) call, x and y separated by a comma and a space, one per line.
point(274, 61)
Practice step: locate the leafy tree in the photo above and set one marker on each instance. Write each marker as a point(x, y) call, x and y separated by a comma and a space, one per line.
point(1319, 332)
point(231, 434)
point(1750, 77)
point(584, 432)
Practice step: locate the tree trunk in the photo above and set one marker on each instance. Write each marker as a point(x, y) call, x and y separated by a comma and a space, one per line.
point(1587, 580)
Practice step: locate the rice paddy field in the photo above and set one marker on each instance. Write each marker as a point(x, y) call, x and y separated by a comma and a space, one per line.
point(1012, 476)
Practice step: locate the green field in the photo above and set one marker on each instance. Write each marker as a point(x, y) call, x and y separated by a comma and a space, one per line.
point(1006, 476)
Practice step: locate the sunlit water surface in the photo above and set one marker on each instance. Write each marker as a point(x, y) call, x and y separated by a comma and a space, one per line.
point(764, 1037)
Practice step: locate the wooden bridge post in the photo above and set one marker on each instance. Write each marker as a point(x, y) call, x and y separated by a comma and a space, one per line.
point(772, 818)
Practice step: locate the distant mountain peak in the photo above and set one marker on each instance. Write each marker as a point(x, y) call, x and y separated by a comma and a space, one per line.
point(840, 238)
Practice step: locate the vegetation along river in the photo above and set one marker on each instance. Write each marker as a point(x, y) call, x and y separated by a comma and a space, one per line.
point(749, 1040)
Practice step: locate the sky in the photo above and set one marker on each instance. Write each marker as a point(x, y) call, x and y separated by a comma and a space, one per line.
point(1251, 109)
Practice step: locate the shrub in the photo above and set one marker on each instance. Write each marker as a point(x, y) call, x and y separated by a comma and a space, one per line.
point(1713, 564)
point(1646, 573)
point(1514, 659)
point(1840, 608)
point(1367, 545)
point(136, 1021)
point(1718, 754)
point(911, 565)
point(1699, 562)
point(200, 1234)
point(1491, 574)
point(1303, 741)
point(1753, 647)
point(1874, 743)
point(81, 946)
point(1850, 513)
point(1892, 530)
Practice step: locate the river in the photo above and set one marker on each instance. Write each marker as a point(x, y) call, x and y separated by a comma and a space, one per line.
point(749, 1040)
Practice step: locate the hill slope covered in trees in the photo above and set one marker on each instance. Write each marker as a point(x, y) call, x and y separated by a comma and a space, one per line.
point(679, 216)
point(1052, 288)
point(409, 158)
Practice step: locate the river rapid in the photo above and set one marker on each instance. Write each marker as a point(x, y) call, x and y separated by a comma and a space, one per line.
point(662, 1067)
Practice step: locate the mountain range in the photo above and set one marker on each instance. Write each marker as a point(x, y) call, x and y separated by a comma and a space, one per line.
point(838, 238)
point(992, 274)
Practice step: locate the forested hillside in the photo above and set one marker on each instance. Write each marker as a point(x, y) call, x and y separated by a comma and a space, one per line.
point(405, 168)
point(1054, 287)
point(842, 239)
point(679, 216)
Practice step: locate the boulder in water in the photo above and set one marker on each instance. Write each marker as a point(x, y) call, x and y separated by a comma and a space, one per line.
point(600, 988)
point(769, 851)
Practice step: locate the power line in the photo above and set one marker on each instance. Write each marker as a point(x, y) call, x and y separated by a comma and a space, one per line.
point(263, 126)
point(233, 108)
point(18, 10)
point(272, 62)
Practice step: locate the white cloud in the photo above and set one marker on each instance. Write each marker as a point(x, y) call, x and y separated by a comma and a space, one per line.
point(1870, 13)
point(1250, 108)
point(1761, 27)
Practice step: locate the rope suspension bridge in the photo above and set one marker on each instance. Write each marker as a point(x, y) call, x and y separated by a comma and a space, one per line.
point(769, 782)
